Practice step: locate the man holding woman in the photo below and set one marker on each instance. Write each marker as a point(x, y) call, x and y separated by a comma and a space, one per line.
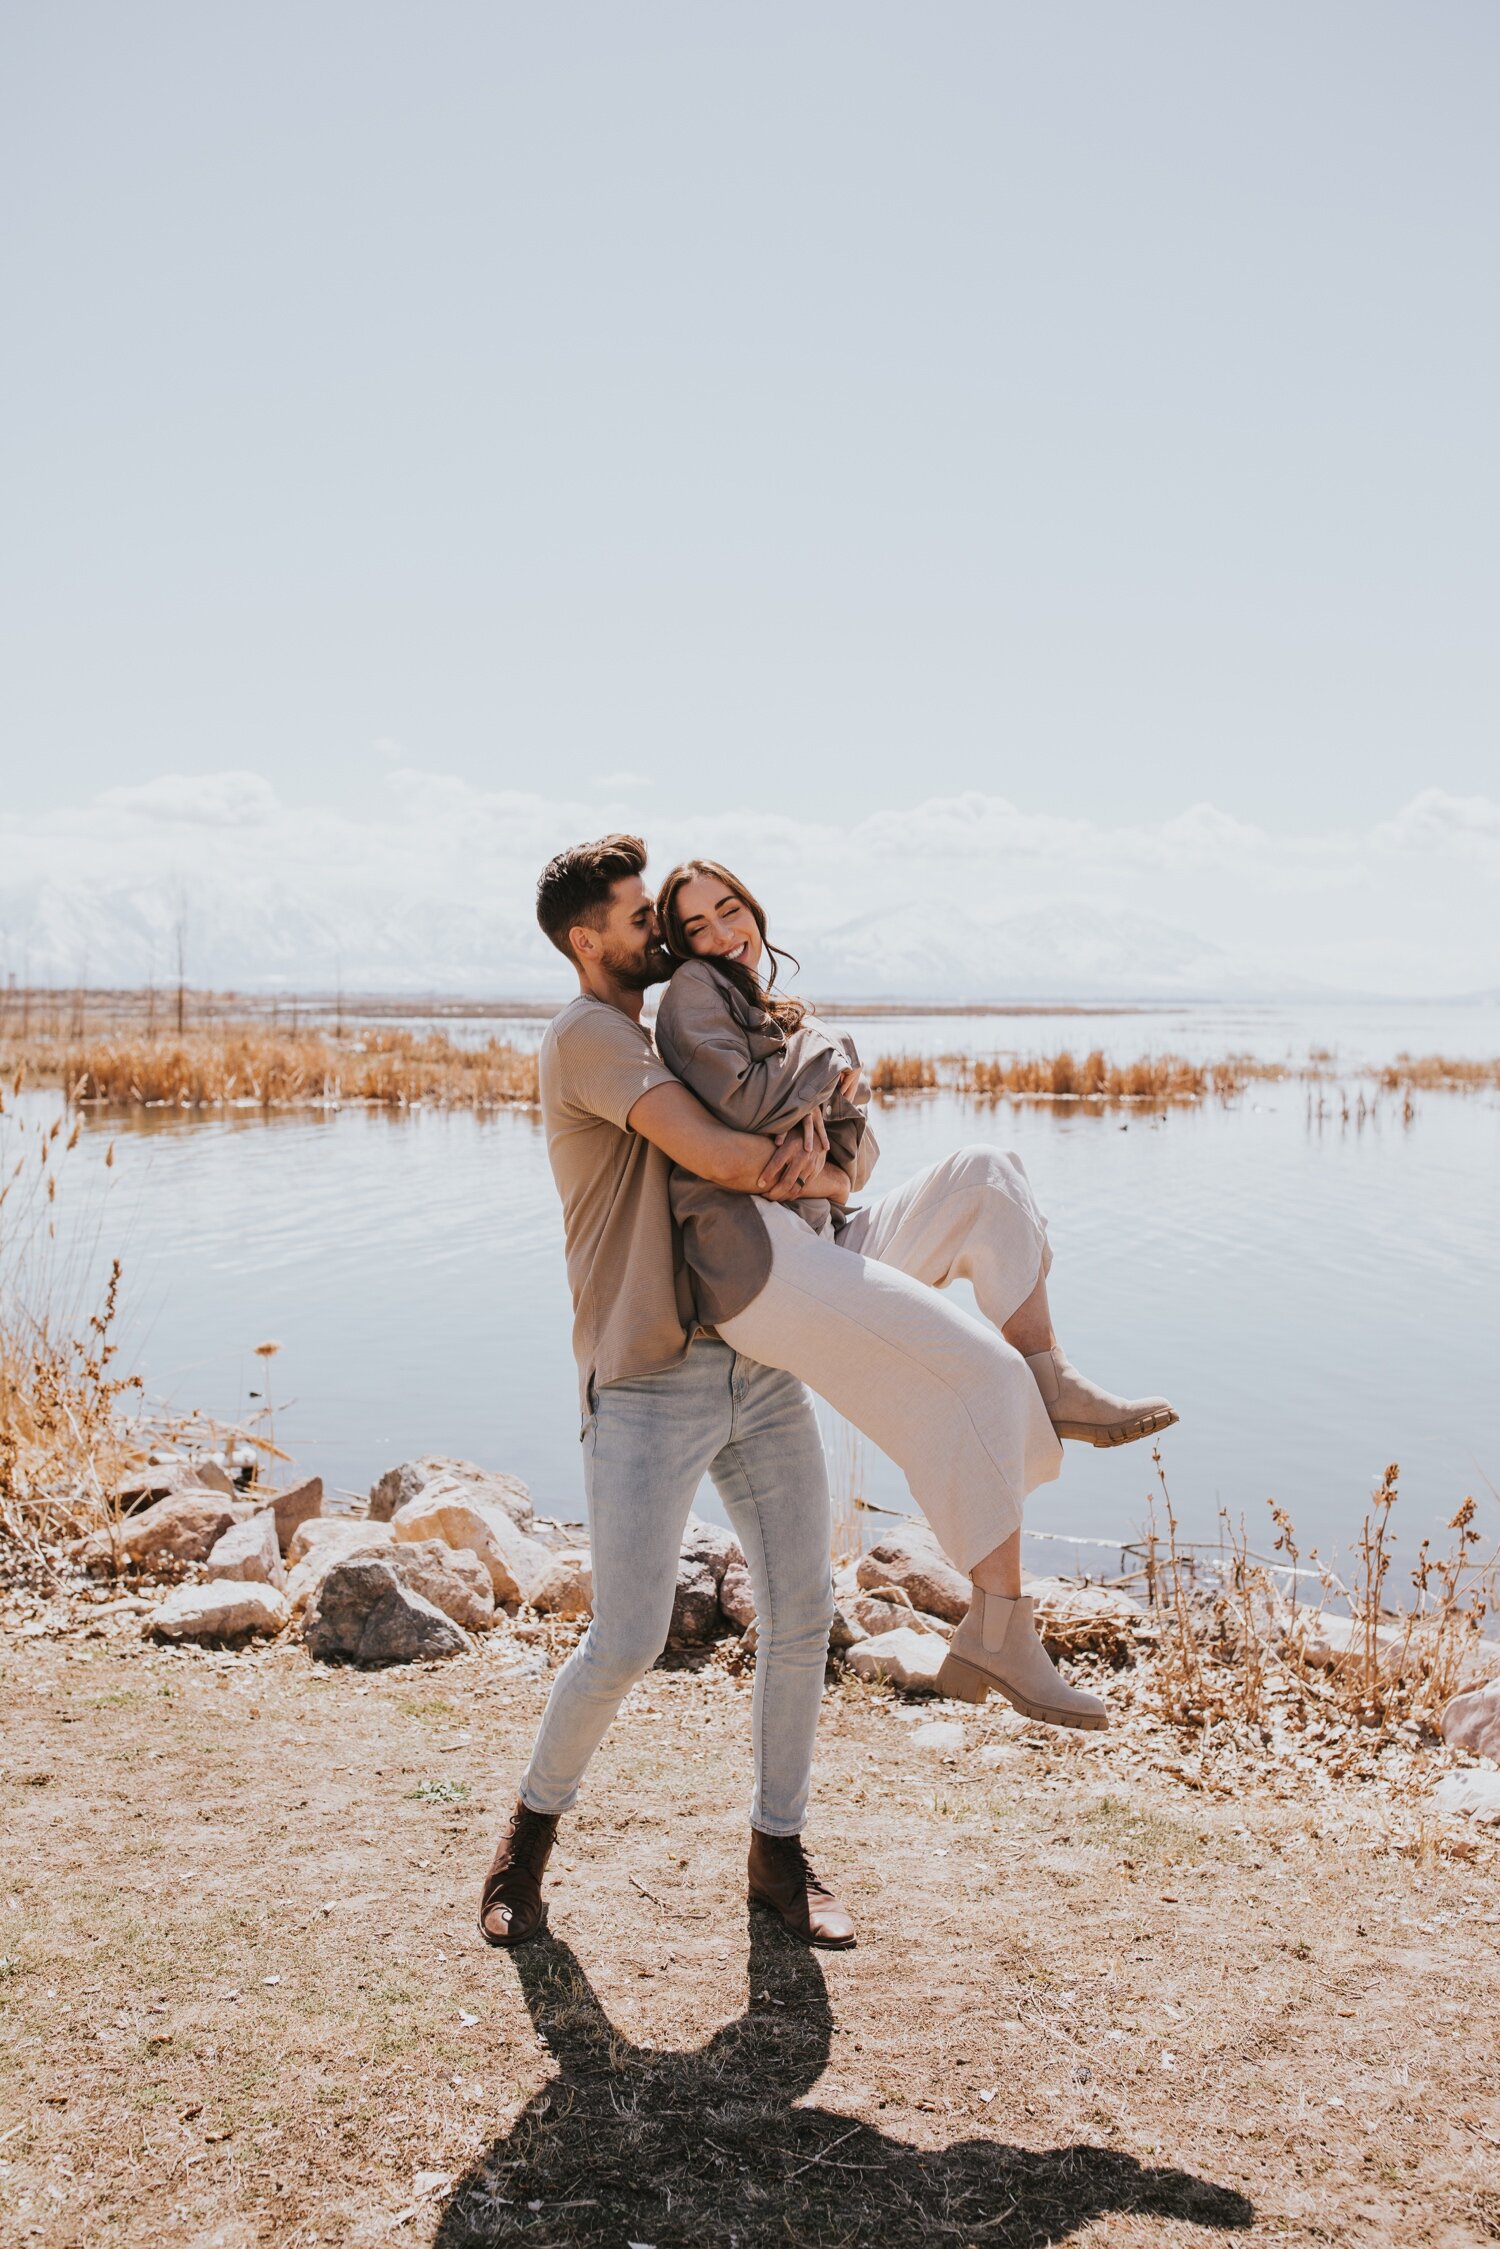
point(714, 1270)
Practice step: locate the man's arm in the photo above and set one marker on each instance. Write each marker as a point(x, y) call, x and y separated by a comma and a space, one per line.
point(676, 1121)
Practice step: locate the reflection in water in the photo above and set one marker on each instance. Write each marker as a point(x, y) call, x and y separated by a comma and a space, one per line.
point(630, 2143)
point(1316, 1296)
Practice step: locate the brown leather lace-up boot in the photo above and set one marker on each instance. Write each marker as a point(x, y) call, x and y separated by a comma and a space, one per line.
point(511, 1908)
point(781, 1878)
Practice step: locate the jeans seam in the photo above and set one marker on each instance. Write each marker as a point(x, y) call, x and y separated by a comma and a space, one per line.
point(764, 1641)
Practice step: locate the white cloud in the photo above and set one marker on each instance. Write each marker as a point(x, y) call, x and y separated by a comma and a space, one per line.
point(621, 783)
point(430, 882)
point(203, 800)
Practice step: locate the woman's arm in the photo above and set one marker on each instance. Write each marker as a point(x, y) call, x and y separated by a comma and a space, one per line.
point(701, 1039)
point(675, 1121)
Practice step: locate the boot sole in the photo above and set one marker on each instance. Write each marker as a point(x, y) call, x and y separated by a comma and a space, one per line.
point(803, 1936)
point(1122, 1433)
point(964, 1682)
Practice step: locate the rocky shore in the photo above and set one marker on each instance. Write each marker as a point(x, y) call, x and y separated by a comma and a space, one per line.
point(444, 1555)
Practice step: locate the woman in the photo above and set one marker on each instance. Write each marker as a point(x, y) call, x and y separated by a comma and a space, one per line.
point(973, 1413)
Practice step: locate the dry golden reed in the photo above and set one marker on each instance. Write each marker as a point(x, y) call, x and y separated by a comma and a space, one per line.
point(1065, 1077)
point(1241, 1648)
point(63, 1438)
point(260, 1066)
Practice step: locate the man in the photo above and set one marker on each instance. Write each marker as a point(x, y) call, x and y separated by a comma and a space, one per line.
point(666, 1401)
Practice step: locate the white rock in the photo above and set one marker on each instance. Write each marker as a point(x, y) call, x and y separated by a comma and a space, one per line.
point(338, 1534)
point(941, 1735)
point(1332, 1643)
point(736, 1597)
point(567, 1590)
point(1084, 1619)
point(1476, 1795)
point(249, 1550)
point(708, 1543)
point(1472, 1721)
point(519, 1566)
point(908, 1659)
point(297, 1505)
point(226, 1610)
point(492, 1486)
point(451, 1578)
point(912, 1560)
point(184, 1527)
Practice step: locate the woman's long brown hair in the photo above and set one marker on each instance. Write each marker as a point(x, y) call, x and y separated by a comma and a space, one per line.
point(781, 1009)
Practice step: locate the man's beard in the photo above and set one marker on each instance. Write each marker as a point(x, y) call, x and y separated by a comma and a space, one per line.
point(637, 972)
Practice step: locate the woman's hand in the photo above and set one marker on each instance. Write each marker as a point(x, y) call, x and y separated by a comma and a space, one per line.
point(800, 1155)
point(851, 1083)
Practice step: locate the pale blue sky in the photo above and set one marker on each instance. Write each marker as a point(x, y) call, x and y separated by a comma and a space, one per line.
point(823, 405)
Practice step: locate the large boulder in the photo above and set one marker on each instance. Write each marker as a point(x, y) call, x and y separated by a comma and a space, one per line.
point(906, 1659)
point(298, 1504)
point(228, 1609)
point(184, 1527)
point(1472, 1721)
point(318, 1545)
point(391, 1492)
point(912, 1560)
point(362, 1613)
point(519, 1566)
point(452, 1579)
point(249, 1551)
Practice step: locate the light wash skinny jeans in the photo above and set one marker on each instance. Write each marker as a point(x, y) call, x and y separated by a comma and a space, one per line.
point(646, 1446)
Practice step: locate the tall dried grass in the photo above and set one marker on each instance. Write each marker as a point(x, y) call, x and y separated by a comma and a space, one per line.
point(258, 1066)
point(63, 1439)
point(1243, 1650)
point(1168, 1078)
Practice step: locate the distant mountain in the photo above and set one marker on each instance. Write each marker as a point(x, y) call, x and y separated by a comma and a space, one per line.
point(267, 933)
point(919, 952)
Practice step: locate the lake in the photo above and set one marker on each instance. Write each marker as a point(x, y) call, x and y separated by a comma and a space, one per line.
point(1317, 1297)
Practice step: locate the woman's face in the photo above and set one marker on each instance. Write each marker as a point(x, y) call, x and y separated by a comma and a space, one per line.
point(716, 923)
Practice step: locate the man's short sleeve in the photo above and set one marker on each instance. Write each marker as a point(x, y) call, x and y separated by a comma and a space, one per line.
point(608, 1063)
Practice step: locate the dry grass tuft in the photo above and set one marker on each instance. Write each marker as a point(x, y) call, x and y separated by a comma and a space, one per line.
point(1244, 1658)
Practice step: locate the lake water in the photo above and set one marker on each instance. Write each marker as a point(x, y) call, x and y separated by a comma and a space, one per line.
point(1317, 1298)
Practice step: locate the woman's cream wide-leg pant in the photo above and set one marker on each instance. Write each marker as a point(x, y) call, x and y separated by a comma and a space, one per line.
point(860, 1321)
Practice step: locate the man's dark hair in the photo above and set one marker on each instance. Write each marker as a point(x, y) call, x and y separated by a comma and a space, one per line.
point(575, 886)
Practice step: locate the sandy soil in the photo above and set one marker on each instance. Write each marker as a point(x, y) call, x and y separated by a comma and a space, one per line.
point(243, 1999)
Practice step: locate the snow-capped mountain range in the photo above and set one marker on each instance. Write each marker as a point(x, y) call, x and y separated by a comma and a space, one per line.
point(271, 936)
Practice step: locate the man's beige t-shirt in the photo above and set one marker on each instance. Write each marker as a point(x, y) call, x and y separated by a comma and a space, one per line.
point(633, 1306)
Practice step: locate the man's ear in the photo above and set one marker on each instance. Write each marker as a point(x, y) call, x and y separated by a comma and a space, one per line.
point(585, 942)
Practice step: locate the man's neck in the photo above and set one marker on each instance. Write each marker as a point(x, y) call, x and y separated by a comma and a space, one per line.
point(601, 986)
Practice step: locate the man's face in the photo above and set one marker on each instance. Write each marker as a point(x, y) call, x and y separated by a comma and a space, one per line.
point(633, 952)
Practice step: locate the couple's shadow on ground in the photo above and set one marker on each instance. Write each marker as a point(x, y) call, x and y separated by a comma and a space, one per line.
point(630, 2144)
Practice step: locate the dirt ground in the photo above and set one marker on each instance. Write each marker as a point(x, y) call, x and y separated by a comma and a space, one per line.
point(243, 1998)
